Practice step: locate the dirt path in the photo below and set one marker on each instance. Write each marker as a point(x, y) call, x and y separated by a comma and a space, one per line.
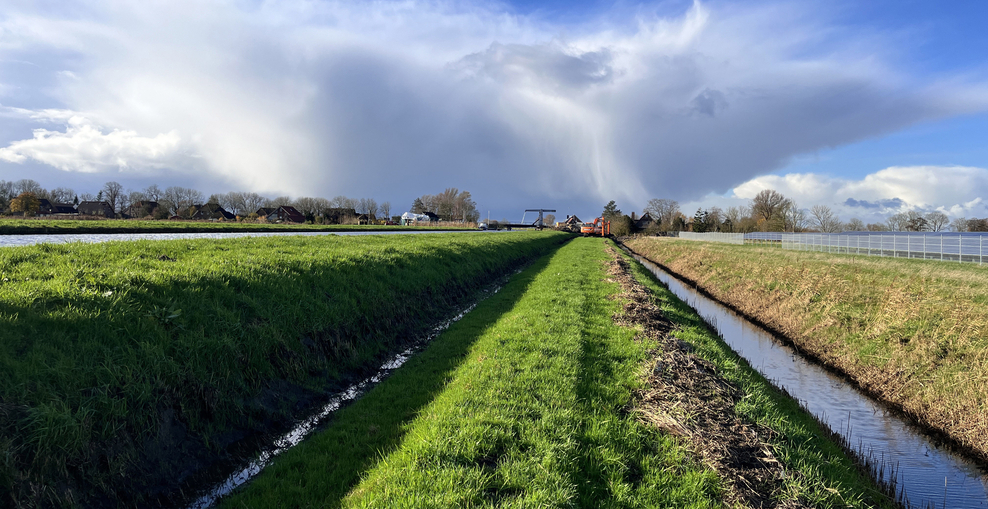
point(684, 395)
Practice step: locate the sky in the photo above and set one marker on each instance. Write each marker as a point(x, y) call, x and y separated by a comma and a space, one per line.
point(871, 108)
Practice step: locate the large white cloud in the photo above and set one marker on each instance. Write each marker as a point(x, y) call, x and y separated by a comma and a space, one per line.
point(958, 191)
point(83, 147)
point(399, 98)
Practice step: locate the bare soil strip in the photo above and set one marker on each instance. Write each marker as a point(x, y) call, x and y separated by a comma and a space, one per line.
point(685, 396)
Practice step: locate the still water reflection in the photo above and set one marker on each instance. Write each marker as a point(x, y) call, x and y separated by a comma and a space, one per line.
point(927, 474)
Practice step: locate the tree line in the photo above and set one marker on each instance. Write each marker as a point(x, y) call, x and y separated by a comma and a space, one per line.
point(23, 196)
point(771, 211)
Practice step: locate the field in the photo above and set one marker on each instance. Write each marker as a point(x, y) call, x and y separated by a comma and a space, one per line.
point(911, 332)
point(63, 226)
point(127, 368)
point(546, 395)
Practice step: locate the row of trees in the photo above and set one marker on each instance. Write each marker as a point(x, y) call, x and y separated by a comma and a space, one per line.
point(769, 210)
point(449, 205)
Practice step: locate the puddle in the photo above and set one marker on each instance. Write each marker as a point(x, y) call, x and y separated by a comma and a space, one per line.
point(926, 473)
point(307, 426)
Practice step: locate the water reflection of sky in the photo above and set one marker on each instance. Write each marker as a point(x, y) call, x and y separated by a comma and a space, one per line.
point(922, 467)
point(28, 240)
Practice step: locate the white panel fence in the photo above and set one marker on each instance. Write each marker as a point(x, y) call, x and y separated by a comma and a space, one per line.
point(947, 246)
point(729, 238)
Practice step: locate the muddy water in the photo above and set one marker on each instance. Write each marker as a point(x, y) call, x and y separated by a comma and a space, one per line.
point(927, 474)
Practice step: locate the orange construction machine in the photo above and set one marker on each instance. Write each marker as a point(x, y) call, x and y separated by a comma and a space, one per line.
point(598, 227)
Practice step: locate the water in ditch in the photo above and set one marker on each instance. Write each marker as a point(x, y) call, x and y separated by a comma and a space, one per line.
point(307, 426)
point(927, 474)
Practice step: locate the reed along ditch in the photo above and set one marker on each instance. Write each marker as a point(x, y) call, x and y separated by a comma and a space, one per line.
point(554, 393)
point(133, 373)
point(923, 471)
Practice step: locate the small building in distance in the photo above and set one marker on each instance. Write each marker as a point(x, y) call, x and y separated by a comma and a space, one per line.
point(96, 208)
point(265, 211)
point(282, 214)
point(212, 212)
point(642, 222)
point(142, 209)
point(47, 208)
point(412, 218)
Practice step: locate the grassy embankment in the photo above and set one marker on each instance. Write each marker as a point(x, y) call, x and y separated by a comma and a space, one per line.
point(105, 226)
point(125, 367)
point(529, 401)
point(910, 331)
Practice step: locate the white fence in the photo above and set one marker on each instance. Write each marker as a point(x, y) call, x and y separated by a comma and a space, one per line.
point(957, 247)
point(946, 246)
point(729, 238)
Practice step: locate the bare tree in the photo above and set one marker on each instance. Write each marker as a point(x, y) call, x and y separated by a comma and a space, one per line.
point(824, 219)
point(61, 195)
point(767, 204)
point(178, 200)
point(305, 205)
point(936, 220)
point(278, 201)
point(6, 194)
point(28, 186)
point(793, 217)
point(959, 224)
point(897, 222)
point(663, 211)
point(915, 222)
point(251, 202)
point(153, 193)
point(386, 210)
point(111, 194)
point(855, 225)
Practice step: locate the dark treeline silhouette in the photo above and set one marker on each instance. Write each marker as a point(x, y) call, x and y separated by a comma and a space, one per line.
point(28, 198)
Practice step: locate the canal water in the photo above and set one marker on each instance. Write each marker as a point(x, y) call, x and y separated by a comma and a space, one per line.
point(927, 473)
point(28, 240)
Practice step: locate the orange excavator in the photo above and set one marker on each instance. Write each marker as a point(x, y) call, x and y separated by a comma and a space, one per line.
point(598, 227)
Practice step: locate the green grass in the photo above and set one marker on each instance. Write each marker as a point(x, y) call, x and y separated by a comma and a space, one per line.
point(525, 403)
point(123, 365)
point(76, 226)
point(826, 476)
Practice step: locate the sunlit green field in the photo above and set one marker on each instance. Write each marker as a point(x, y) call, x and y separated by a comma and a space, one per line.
point(529, 402)
point(124, 366)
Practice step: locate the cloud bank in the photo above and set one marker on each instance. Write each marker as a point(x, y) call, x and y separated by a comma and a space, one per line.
point(395, 99)
point(957, 191)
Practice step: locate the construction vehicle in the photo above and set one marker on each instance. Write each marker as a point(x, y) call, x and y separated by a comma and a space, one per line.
point(598, 227)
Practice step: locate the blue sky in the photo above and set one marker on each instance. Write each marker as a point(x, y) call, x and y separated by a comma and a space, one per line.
point(526, 104)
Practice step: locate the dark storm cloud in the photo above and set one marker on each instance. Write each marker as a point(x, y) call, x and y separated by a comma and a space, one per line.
point(397, 99)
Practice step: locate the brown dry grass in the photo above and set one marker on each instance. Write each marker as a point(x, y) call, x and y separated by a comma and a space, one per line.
point(909, 331)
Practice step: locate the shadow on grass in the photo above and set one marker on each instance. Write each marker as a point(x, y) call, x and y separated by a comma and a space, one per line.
point(322, 470)
point(126, 368)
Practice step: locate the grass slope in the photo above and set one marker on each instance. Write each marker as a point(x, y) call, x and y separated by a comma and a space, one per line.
point(105, 226)
point(909, 331)
point(526, 402)
point(823, 475)
point(127, 366)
